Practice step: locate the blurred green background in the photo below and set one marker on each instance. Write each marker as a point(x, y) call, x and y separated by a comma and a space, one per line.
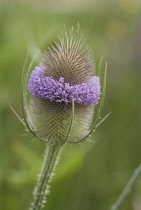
point(89, 175)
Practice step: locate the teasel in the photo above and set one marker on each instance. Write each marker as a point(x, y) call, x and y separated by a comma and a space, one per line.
point(58, 106)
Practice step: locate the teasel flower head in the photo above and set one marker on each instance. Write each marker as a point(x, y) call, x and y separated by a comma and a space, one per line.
point(63, 91)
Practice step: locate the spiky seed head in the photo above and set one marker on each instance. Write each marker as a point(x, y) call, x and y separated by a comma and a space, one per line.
point(65, 74)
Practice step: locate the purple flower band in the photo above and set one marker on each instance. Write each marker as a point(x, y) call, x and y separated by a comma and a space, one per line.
point(59, 91)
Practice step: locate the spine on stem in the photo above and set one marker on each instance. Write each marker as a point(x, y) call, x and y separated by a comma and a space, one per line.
point(50, 160)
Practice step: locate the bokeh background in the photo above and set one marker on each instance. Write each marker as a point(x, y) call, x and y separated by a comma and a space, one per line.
point(89, 175)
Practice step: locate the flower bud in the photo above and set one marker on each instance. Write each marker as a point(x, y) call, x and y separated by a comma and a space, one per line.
point(64, 75)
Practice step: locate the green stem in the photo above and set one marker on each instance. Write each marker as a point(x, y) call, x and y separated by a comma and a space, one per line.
point(128, 188)
point(50, 159)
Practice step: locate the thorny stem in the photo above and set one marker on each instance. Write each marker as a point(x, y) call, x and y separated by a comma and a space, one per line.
point(50, 159)
point(127, 189)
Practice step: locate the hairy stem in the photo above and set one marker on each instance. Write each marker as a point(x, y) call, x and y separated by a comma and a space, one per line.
point(50, 159)
point(128, 188)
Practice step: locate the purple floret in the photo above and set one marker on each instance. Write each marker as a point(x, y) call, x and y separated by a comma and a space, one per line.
point(60, 91)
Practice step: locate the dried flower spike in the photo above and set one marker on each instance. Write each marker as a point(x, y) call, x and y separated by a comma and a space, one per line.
point(64, 75)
